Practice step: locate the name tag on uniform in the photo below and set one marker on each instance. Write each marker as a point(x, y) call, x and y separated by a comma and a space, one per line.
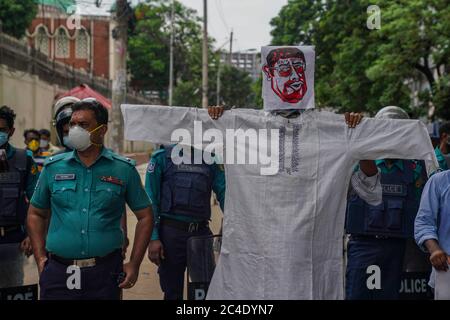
point(190, 168)
point(65, 176)
point(112, 180)
point(393, 189)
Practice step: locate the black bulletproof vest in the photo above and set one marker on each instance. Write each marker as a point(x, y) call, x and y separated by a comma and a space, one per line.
point(13, 207)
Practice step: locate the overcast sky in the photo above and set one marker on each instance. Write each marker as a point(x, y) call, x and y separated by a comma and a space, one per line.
point(249, 19)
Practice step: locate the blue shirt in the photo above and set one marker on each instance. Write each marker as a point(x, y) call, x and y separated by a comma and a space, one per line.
point(87, 203)
point(433, 218)
point(153, 180)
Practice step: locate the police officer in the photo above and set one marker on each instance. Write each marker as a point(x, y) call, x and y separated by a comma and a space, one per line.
point(180, 195)
point(378, 234)
point(86, 190)
point(63, 113)
point(17, 182)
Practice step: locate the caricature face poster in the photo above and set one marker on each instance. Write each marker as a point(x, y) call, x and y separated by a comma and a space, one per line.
point(288, 77)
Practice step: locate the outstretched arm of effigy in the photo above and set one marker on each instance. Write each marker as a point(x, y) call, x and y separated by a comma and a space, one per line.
point(158, 124)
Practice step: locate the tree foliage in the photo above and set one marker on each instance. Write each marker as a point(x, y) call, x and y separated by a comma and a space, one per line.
point(149, 57)
point(364, 70)
point(16, 16)
point(149, 43)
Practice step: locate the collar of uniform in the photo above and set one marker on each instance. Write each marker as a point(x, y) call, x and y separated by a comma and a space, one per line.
point(438, 153)
point(106, 153)
point(398, 163)
point(288, 113)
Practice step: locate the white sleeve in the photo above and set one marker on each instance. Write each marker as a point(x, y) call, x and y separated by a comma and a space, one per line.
point(396, 139)
point(157, 123)
point(367, 188)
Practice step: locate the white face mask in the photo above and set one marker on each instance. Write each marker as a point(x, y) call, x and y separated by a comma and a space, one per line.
point(66, 142)
point(43, 143)
point(79, 138)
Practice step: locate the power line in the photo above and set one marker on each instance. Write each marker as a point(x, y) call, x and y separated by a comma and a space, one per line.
point(220, 10)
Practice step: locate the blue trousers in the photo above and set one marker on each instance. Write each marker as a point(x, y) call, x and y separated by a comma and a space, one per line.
point(387, 254)
point(97, 283)
point(172, 268)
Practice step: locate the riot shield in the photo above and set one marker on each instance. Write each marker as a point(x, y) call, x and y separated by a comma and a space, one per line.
point(416, 273)
point(18, 274)
point(202, 255)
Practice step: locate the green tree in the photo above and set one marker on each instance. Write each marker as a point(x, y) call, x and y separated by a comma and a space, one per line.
point(16, 16)
point(149, 43)
point(236, 88)
point(149, 58)
point(362, 69)
point(257, 93)
point(188, 88)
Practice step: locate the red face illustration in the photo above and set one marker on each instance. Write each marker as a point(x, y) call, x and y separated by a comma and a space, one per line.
point(286, 70)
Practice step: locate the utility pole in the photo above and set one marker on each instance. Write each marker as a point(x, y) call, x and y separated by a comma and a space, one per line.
point(119, 87)
point(219, 69)
point(172, 30)
point(219, 72)
point(205, 56)
point(230, 58)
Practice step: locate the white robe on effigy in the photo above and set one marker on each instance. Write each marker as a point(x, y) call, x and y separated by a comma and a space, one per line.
point(283, 233)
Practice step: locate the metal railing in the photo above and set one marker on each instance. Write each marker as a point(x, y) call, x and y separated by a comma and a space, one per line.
point(18, 56)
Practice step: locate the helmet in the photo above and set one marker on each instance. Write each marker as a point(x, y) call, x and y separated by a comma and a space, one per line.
point(64, 103)
point(392, 112)
point(63, 113)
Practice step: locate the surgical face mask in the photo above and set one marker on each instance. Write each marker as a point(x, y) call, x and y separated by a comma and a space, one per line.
point(33, 145)
point(4, 137)
point(43, 143)
point(79, 138)
point(66, 142)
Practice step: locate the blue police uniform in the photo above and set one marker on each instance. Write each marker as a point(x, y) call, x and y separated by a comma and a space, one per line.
point(379, 233)
point(180, 196)
point(86, 206)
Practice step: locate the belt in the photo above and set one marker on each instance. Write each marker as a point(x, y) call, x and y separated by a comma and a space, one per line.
point(5, 230)
point(83, 263)
point(183, 225)
point(370, 236)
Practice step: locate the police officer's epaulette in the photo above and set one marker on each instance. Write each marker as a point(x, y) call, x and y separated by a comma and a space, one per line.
point(29, 153)
point(55, 158)
point(158, 152)
point(129, 161)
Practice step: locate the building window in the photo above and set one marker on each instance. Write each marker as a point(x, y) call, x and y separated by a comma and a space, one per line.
point(41, 41)
point(62, 44)
point(82, 45)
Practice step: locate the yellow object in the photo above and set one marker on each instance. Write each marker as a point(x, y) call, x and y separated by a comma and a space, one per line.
point(34, 170)
point(33, 145)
